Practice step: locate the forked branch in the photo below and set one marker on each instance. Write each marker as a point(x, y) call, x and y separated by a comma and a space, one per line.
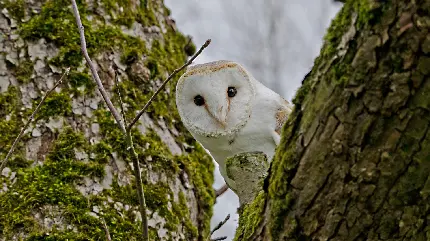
point(93, 69)
point(122, 124)
point(117, 117)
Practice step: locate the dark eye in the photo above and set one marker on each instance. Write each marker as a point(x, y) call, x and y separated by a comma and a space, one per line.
point(231, 92)
point(199, 100)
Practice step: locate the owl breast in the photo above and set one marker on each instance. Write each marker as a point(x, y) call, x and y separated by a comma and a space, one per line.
point(255, 135)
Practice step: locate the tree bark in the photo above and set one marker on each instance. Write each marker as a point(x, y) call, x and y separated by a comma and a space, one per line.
point(71, 176)
point(354, 159)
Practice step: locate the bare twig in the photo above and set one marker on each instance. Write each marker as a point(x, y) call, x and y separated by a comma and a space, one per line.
point(105, 227)
point(220, 224)
point(3, 164)
point(221, 190)
point(93, 69)
point(190, 61)
point(141, 194)
point(121, 104)
point(219, 238)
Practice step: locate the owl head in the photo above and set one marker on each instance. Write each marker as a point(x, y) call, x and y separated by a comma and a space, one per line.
point(214, 99)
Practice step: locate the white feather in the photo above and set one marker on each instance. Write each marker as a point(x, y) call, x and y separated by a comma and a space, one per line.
point(250, 119)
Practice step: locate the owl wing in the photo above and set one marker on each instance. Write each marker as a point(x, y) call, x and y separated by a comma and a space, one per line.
point(281, 117)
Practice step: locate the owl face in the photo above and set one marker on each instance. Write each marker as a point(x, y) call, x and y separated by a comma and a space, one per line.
point(214, 99)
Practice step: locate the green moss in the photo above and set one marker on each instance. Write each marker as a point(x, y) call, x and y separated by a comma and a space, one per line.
point(301, 93)
point(24, 71)
point(171, 52)
point(148, 145)
point(10, 121)
point(282, 168)
point(124, 17)
point(125, 12)
point(181, 210)
point(158, 199)
point(56, 104)
point(251, 217)
point(199, 168)
point(102, 151)
point(16, 8)
point(50, 184)
point(81, 83)
point(369, 12)
point(57, 24)
point(278, 212)
point(337, 28)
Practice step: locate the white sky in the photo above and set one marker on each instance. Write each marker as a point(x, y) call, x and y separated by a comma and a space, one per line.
point(206, 19)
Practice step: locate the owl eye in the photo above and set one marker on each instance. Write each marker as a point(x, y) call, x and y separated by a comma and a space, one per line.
point(231, 91)
point(199, 100)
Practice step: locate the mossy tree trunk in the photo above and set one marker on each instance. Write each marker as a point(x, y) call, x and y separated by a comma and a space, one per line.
point(354, 160)
point(71, 171)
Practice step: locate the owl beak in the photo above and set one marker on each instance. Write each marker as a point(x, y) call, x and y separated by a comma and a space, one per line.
point(220, 115)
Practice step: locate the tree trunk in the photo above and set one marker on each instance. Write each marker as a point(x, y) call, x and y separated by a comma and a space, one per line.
point(354, 160)
point(72, 172)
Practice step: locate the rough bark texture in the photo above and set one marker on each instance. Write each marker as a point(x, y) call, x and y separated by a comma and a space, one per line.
point(354, 159)
point(71, 170)
point(248, 171)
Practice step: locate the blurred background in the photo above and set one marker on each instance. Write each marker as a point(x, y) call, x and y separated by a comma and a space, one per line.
point(276, 40)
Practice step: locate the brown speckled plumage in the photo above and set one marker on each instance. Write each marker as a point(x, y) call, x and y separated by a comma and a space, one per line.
point(282, 116)
point(212, 67)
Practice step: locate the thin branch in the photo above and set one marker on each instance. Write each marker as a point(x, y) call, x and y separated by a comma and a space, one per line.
point(140, 192)
point(93, 69)
point(105, 227)
point(190, 61)
point(220, 224)
point(119, 95)
point(221, 190)
point(219, 238)
point(3, 164)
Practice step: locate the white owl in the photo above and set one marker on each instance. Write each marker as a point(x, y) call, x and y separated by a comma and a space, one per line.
point(229, 112)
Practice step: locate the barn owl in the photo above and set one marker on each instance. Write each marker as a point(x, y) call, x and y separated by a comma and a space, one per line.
point(229, 112)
